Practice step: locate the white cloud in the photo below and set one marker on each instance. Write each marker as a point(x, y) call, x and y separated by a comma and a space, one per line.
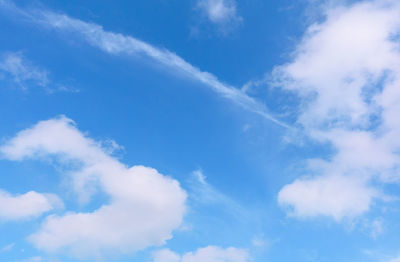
point(34, 259)
point(338, 60)
point(220, 12)
point(260, 242)
point(346, 71)
point(21, 71)
point(144, 206)
point(395, 259)
point(118, 44)
point(166, 255)
point(28, 205)
point(7, 248)
point(39, 259)
point(209, 254)
point(336, 196)
point(203, 192)
point(376, 228)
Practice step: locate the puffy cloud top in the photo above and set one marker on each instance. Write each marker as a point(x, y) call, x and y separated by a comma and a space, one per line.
point(144, 206)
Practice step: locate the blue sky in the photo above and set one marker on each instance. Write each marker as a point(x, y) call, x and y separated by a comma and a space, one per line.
point(201, 130)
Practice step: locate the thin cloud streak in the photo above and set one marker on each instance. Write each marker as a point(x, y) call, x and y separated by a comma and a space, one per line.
point(20, 70)
point(117, 44)
point(203, 192)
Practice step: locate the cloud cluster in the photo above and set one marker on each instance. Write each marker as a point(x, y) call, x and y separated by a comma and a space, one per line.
point(209, 254)
point(143, 209)
point(346, 71)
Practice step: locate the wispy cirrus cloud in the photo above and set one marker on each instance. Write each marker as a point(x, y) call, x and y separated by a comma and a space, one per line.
point(204, 193)
point(119, 44)
point(16, 67)
point(18, 71)
point(7, 248)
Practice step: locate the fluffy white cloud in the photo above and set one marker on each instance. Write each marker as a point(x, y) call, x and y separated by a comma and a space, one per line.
point(209, 254)
point(346, 71)
point(28, 205)
point(336, 196)
point(144, 206)
point(166, 255)
point(221, 12)
point(338, 60)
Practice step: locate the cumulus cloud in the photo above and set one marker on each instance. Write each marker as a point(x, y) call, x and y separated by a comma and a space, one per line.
point(209, 254)
point(346, 71)
point(336, 196)
point(25, 206)
point(338, 60)
point(166, 255)
point(220, 12)
point(144, 206)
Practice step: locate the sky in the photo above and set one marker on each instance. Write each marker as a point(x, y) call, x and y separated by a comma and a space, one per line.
point(200, 131)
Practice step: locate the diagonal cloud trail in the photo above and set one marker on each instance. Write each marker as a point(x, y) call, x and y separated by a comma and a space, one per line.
point(116, 44)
